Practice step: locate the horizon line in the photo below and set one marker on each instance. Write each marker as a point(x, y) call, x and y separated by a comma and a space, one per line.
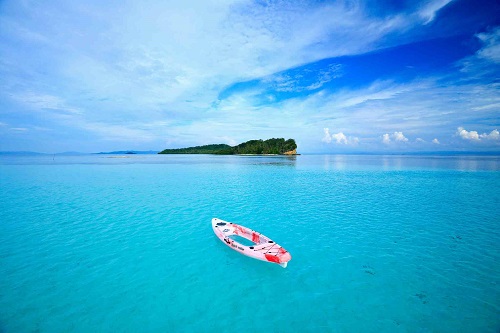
point(155, 152)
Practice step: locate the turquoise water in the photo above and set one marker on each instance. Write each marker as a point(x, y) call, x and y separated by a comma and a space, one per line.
point(378, 244)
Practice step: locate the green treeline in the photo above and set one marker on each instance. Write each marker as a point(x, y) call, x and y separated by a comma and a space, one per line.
point(272, 146)
point(208, 149)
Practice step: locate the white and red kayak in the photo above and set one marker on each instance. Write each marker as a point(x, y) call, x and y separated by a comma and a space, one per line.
point(263, 248)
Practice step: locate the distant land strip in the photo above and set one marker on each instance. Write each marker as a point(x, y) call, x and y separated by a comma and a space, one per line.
point(275, 146)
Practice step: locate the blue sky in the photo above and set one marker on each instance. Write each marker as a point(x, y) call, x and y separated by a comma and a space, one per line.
point(338, 76)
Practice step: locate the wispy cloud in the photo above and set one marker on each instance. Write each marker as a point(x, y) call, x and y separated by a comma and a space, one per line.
point(44, 102)
point(298, 80)
point(429, 10)
point(491, 48)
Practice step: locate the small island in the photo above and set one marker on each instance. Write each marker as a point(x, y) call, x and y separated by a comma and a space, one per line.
point(275, 146)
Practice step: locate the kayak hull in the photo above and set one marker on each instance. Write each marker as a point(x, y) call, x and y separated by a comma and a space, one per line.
point(263, 247)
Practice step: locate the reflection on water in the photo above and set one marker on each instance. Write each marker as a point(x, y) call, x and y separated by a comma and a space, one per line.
point(402, 162)
point(325, 162)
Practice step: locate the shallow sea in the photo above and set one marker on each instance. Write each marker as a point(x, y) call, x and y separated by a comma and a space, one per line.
point(101, 243)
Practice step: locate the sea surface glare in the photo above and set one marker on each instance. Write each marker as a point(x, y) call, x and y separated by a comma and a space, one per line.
point(379, 243)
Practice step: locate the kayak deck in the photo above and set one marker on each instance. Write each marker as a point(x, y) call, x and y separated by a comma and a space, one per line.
point(264, 248)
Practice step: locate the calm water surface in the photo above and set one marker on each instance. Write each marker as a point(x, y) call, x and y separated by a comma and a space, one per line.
point(99, 243)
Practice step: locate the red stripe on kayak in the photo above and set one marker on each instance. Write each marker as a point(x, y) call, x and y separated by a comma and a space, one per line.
point(255, 238)
point(272, 258)
point(239, 230)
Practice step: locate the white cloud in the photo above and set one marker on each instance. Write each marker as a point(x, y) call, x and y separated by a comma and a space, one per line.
point(396, 136)
point(475, 136)
point(494, 135)
point(339, 138)
point(466, 135)
point(327, 138)
point(434, 141)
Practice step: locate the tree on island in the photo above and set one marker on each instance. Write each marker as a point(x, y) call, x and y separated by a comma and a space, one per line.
point(208, 149)
point(276, 146)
